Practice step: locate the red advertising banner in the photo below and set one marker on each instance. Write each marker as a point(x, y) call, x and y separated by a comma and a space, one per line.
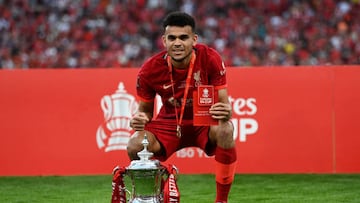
point(72, 122)
point(345, 117)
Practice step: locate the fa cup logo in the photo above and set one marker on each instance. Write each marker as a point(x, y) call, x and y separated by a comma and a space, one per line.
point(118, 109)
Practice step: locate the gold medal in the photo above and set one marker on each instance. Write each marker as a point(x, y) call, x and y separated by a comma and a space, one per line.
point(178, 131)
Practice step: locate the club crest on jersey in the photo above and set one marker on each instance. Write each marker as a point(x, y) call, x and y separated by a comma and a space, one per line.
point(197, 78)
point(118, 108)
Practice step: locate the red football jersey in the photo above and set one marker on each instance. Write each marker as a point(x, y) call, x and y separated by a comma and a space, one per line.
point(154, 78)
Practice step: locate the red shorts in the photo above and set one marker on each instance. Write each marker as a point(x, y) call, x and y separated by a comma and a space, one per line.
point(191, 136)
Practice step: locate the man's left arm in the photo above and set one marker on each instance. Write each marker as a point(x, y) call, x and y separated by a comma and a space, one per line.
point(222, 109)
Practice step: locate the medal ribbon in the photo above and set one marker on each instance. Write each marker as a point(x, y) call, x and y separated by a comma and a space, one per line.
point(187, 86)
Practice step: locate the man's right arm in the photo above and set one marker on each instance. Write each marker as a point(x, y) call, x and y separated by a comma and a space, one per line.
point(143, 116)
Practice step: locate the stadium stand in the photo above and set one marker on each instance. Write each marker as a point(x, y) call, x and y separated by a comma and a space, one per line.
point(123, 33)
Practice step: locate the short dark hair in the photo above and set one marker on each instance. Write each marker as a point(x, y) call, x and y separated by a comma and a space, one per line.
point(178, 18)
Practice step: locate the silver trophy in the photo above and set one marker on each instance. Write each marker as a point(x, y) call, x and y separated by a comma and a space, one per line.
point(146, 177)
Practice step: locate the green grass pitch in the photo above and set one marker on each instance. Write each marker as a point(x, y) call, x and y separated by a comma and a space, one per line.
point(247, 188)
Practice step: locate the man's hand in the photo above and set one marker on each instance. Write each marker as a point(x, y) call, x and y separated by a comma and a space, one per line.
point(138, 121)
point(221, 111)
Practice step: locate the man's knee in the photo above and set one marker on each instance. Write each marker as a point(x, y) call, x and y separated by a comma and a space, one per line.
point(132, 150)
point(224, 131)
point(134, 146)
point(224, 135)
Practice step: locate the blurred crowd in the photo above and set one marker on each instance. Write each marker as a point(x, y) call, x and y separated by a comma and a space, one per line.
point(124, 33)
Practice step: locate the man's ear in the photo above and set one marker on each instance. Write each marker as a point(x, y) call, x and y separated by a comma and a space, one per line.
point(195, 39)
point(163, 37)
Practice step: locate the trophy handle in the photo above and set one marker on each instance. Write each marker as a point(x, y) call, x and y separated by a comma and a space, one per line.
point(107, 107)
point(129, 193)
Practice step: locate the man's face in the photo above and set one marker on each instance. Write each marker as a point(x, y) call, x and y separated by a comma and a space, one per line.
point(179, 42)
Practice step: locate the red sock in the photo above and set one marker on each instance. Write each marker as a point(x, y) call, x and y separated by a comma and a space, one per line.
point(225, 161)
point(222, 192)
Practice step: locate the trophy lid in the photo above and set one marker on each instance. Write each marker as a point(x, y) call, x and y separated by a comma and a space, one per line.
point(145, 163)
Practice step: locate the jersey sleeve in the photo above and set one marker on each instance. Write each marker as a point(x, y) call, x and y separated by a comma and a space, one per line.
point(217, 70)
point(143, 89)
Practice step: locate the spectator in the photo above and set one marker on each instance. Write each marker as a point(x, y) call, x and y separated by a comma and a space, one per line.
point(122, 33)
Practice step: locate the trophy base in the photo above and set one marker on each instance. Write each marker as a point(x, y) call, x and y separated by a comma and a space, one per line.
point(150, 199)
